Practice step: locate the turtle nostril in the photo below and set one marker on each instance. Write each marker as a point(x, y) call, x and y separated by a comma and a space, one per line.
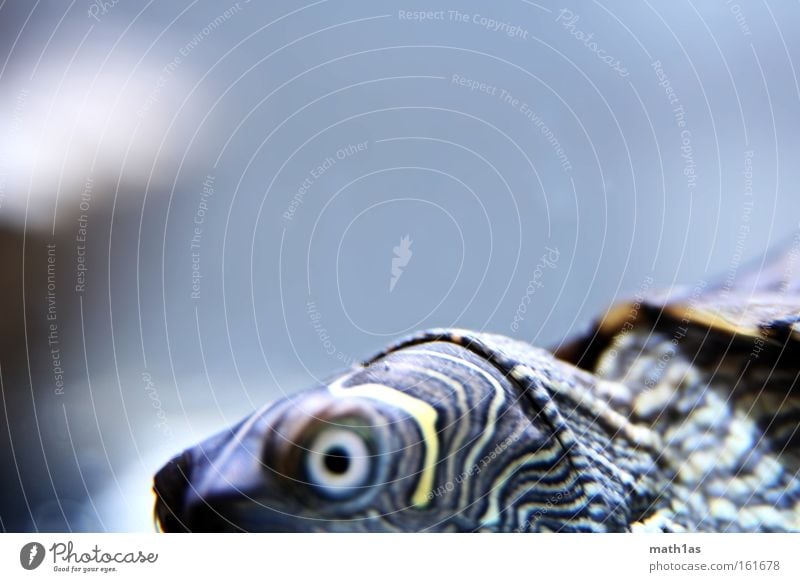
point(170, 485)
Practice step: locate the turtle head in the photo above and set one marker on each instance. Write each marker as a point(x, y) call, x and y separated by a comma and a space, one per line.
point(424, 438)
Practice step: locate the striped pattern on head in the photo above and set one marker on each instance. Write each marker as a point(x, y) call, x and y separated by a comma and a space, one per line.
point(445, 431)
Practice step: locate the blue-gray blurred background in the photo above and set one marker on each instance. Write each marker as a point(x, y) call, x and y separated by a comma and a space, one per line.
point(202, 203)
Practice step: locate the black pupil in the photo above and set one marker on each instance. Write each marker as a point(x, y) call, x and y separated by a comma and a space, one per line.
point(337, 460)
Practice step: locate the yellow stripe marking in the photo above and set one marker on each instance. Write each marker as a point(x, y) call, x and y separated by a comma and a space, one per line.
point(494, 408)
point(423, 414)
point(461, 397)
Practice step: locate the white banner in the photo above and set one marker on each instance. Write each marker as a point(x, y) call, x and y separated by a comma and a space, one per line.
point(401, 557)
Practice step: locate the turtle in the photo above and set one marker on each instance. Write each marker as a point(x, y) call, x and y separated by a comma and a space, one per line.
point(674, 412)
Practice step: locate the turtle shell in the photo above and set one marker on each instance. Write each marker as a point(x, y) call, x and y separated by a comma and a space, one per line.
point(714, 370)
point(759, 304)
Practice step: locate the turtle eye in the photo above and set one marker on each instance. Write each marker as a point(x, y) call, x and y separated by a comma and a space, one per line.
point(338, 462)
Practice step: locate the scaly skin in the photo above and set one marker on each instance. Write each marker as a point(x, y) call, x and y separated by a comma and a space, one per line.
point(452, 430)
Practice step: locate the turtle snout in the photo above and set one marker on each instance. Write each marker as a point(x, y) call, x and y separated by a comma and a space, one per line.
point(203, 491)
point(170, 486)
